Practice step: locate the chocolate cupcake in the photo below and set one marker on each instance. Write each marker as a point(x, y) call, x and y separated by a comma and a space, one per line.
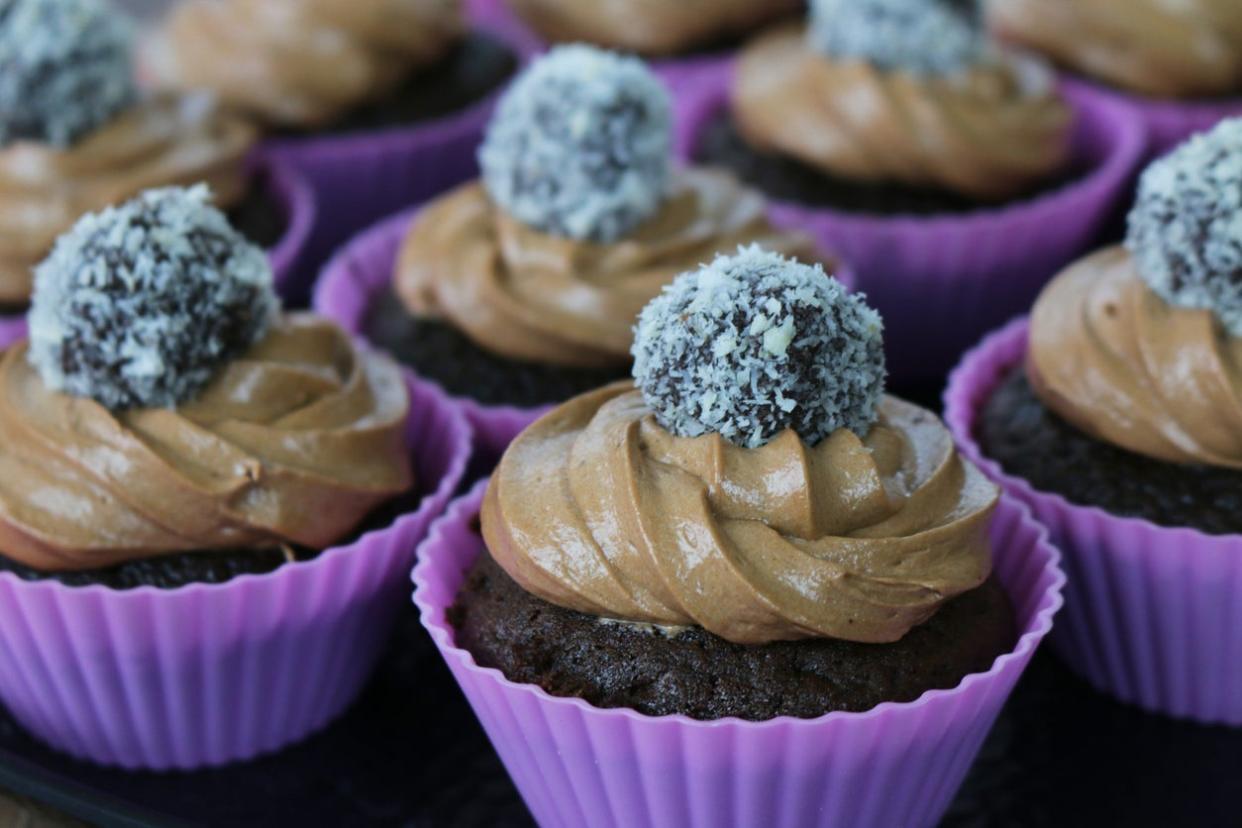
point(1128, 397)
point(201, 434)
point(1116, 414)
point(323, 66)
point(653, 28)
point(1177, 66)
point(750, 529)
point(522, 289)
point(76, 135)
point(890, 106)
point(193, 567)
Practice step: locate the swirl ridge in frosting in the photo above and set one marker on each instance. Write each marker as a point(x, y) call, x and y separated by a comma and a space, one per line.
point(598, 509)
point(534, 296)
point(292, 443)
point(989, 132)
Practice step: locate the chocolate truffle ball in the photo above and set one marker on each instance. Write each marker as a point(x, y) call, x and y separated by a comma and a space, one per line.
point(64, 69)
point(1185, 230)
point(754, 344)
point(924, 37)
point(581, 145)
point(139, 305)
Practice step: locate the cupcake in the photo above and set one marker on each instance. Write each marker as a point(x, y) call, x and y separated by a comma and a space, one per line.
point(947, 172)
point(749, 542)
point(522, 288)
point(76, 136)
point(1178, 66)
point(1115, 413)
point(205, 509)
point(380, 103)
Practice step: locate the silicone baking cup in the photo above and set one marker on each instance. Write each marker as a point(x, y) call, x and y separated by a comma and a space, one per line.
point(897, 764)
point(941, 282)
point(1167, 122)
point(361, 177)
point(290, 190)
point(208, 674)
point(1153, 615)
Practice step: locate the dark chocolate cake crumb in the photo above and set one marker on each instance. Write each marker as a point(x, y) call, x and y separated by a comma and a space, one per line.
point(476, 67)
point(439, 352)
point(1032, 442)
point(260, 216)
point(754, 344)
point(787, 179)
point(696, 674)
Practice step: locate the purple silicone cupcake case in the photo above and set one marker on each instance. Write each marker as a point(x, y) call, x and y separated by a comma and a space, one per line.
point(897, 764)
point(941, 282)
point(1153, 614)
point(209, 674)
point(290, 190)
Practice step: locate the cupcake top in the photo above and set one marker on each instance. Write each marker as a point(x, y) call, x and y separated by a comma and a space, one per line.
point(786, 498)
point(66, 69)
point(1151, 47)
point(75, 135)
point(300, 64)
point(579, 220)
point(902, 91)
point(162, 404)
point(649, 27)
point(1140, 346)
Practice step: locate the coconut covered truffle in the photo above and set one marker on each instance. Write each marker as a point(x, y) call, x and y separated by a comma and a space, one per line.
point(581, 145)
point(1185, 230)
point(140, 304)
point(925, 37)
point(64, 68)
point(754, 344)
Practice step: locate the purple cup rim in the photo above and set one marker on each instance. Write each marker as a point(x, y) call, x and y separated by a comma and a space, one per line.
point(462, 437)
point(1051, 577)
point(960, 414)
point(708, 93)
point(1146, 102)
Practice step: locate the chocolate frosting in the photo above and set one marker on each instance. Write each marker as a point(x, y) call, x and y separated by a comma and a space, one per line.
point(293, 443)
point(1124, 366)
point(649, 27)
point(300, 63)
point(989, 133)
point(1185, 49)
point(529, 295)
point(162, 141)
point(598, 509)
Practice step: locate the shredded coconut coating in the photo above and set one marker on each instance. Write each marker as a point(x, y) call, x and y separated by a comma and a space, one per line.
point(924, 37)
point(581, 145)
point(755, 343)
point(64, 68)
point(1185, 230)
point(139, 305)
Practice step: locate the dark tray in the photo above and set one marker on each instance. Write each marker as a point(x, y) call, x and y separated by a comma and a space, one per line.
point(410, 753)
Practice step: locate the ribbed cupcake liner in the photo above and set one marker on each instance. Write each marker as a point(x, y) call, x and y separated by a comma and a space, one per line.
point(1167, 122)
point(941, 282)
point(292, 193)
point(579, 765)
point(209, 674)
point(1153, 615)
point(361, 177)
